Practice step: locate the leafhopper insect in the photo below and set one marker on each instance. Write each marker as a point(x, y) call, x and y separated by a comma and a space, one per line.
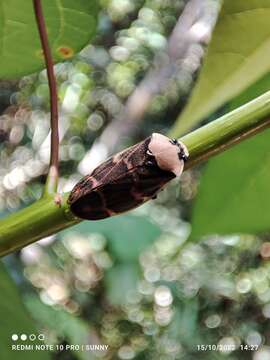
point(129, 178)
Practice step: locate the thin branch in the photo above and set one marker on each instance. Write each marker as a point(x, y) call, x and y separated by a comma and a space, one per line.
point(43, 218)
point(52, 179)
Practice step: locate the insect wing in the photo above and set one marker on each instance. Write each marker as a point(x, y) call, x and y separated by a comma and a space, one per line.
point(130, 190)
point(110, 171)
point(95, 204)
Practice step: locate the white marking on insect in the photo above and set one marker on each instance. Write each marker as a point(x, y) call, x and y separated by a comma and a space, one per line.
point(167, 154)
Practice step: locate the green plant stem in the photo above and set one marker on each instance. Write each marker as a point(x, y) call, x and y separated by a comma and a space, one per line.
point(228, 130)
point(41, 219)
point(45, 218)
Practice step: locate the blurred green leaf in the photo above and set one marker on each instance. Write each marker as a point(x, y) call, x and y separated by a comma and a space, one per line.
point(70, 25)
point(66, 325)
point(14, 320)
point(119, 281)
point(234, 194)
point(237, 56)
point(128, 235)
point(185, 322)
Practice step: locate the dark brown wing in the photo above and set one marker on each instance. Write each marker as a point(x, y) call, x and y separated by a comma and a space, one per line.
point(127, 159)
point(94, 204)
point(129, 191)
point(111, 170)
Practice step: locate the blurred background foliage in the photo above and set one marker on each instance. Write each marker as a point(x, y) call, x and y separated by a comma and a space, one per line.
point(133, 282)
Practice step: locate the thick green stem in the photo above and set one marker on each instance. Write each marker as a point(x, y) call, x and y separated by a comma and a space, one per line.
point(45, 218)
point(41, 219)
point(228, 130)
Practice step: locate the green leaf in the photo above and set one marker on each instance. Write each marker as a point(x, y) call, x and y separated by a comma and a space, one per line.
point(75, 330)
point(70, 26)
point(119, 281)
point(185, 322)
point(259, 88)
point(128, 235)
point(234, 194)
point(238, 56)
point(14, 320)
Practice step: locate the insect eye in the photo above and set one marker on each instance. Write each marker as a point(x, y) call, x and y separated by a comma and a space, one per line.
point(182, 155)
point(174, 142)
point(150, 161)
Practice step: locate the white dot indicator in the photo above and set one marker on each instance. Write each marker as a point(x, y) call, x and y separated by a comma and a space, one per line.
point(23, 337)
point(14, 337)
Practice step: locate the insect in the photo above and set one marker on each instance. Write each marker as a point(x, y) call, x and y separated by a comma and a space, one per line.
point(129, 178)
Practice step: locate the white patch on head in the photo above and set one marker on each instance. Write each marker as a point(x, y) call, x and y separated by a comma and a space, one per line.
point(167, 154)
